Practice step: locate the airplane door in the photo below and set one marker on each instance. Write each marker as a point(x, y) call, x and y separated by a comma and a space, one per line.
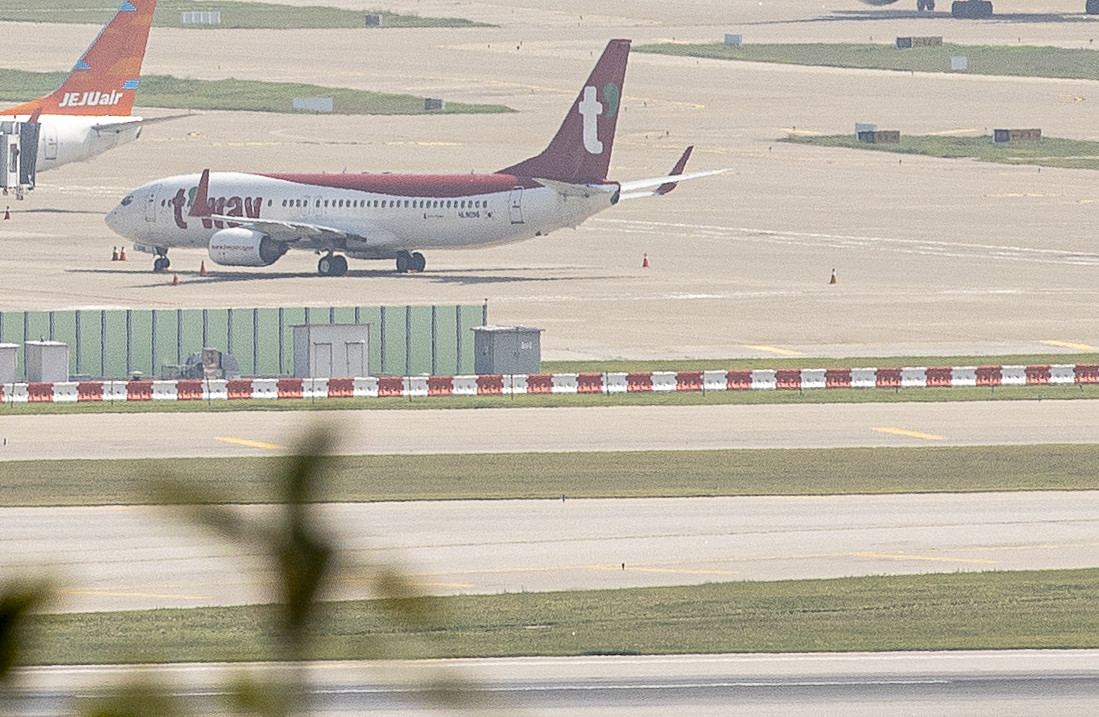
point(515, 205)
point(49, 137)
point(150, 204)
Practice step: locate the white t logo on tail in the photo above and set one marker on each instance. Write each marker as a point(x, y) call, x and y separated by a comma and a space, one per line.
point(590, 107)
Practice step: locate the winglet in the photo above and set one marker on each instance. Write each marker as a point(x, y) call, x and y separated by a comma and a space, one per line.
point(676, 171)
point(200, 207)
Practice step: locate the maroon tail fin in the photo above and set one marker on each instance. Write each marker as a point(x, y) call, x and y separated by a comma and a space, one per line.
point(580, 153)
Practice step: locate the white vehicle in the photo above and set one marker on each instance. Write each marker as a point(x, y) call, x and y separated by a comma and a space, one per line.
point(89, 113)
point(253, 219)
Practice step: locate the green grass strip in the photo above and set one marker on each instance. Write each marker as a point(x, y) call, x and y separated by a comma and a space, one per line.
point(960, 611)
point(241, 95)
point(1047, 152)
point(234, 15)
point(641, 474)
point(1019, 61)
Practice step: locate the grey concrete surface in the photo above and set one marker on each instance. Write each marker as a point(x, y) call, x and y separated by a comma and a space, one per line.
point(510, 430)
point(114, 558)
point(1023, 682)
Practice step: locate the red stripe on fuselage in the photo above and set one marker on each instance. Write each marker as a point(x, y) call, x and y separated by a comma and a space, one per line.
point(413, 185)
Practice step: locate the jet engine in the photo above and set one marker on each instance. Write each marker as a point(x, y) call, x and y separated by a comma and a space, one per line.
point(244, 247)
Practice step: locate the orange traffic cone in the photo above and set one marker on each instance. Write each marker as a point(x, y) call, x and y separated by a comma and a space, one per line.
point(644, 261)
point(175, 279)
point(833, 279)
point(202, 269)
point(122, 254)
point(7, 213)
point(114, 253)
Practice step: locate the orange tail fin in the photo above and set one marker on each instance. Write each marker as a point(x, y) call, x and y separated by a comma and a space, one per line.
point(104, 81)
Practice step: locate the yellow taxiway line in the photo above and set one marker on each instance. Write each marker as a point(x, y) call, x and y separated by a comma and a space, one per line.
point(1069, 345)
point(250, 444)
point(776, 350)
point(910, 434)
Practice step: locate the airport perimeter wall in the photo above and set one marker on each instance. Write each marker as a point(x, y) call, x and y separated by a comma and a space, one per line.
point(559, 383)
point(404, 340)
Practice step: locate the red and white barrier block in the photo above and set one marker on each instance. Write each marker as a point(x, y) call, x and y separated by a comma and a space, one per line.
point(557, 383)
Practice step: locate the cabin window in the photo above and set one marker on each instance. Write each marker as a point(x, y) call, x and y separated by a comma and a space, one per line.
point(270, 202)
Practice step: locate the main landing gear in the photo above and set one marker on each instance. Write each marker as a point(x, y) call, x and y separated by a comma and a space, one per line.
point(410, 263)
point(332, 265)
point(162, 262)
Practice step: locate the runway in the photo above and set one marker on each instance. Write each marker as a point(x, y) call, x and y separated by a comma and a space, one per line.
point(116, 558)
point(509, 430)
point(1008, 683)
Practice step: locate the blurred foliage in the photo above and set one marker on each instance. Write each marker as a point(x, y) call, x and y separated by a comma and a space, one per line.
point(301, 558)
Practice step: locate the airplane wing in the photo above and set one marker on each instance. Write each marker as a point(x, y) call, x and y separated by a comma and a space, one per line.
point(292, 232)
point(659, 186)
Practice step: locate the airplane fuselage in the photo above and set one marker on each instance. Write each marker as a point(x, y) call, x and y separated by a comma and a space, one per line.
point(75, 138)
point(382, 213)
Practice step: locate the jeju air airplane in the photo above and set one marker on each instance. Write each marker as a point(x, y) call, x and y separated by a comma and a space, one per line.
point(253, 219)
point(91, 111)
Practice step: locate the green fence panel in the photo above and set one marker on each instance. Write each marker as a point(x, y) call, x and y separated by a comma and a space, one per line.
point(64, 330)
point(217, 329)
point(291, 317)
point(141, 343)
point(192, 332)
point(242, 340)
point(470, 316)
point(109, 344)
point(268, 349)
point(421, 340)
point(38, 325)
point(166, 343)
point(393, 348)
point(114, 344)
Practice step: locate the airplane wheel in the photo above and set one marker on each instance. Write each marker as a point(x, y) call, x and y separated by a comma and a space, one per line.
point(161, 264)
point(324, 266)
point(404, 262)
point(1092, 7)
point(339, 265)
point(418, 262)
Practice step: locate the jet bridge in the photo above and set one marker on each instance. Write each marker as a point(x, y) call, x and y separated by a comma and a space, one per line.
point(18, 156)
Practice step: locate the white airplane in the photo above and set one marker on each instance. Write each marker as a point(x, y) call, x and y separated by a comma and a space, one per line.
point(253, 219)
point(89, 113)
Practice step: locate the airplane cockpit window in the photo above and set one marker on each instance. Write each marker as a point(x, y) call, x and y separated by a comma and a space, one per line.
point(127, 201)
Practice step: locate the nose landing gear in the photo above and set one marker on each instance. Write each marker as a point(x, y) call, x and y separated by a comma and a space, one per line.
point(162, 262)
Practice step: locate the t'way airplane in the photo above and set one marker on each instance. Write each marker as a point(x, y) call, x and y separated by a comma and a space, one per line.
point(90, 112)
point(253, 219)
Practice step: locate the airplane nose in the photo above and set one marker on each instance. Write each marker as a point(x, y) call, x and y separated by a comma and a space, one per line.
point(116, 218)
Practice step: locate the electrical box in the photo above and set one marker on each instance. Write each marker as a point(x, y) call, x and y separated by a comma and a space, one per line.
point(47, 361)
point(507, 350)
point(9, 363)
point(332, 351)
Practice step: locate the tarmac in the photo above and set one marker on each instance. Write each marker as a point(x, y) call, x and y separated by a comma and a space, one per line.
point(933, 257)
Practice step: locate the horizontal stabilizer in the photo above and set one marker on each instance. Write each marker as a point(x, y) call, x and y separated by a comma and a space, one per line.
point(631, 190)
point(582, 191)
